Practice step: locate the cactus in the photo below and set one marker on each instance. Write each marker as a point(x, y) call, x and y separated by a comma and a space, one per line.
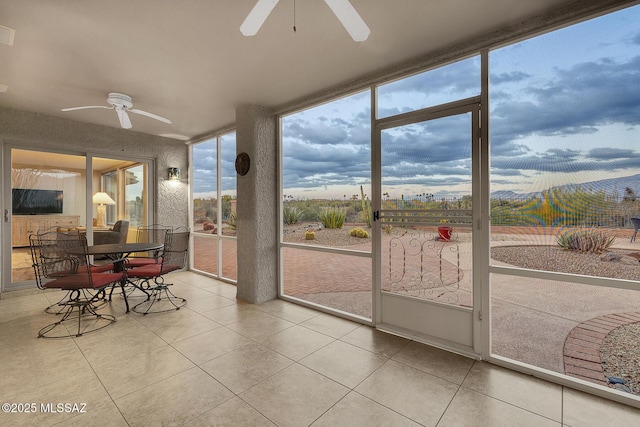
point(366, 209)
point(310, 235)
point(359, 232)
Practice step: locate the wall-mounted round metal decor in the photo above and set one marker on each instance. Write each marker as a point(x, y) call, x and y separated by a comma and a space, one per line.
point(242, 164)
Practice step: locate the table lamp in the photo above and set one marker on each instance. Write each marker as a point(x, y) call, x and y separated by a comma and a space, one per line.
point(102, 199)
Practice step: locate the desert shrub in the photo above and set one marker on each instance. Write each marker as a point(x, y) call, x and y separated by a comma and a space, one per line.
point(291, 215)
point(583, 239)
point(233, 217)
point(332, 217)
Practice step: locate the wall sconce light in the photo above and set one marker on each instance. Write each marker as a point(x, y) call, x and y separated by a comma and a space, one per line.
point(173, 174)
point(102, 199)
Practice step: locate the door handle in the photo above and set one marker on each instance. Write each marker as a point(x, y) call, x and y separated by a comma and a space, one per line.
point(6, 215)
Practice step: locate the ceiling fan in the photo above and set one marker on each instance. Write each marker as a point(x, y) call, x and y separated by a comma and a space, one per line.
point(122, 104)
point(344, 11)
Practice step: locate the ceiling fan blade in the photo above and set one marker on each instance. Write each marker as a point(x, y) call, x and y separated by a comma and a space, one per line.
point(351, 20)
point(153, 116)
point(125, 122)
point(86, 107)
point(257, 16)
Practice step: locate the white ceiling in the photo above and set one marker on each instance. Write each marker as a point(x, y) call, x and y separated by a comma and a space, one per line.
point(187, 60)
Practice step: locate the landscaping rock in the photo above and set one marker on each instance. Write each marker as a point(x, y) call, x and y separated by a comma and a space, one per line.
point(618, 257)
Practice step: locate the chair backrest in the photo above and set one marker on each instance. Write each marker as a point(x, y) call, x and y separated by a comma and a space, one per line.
point(122, 227)
point(50, 258)
point(154, 233)
point(176, 248)
point(636, 223)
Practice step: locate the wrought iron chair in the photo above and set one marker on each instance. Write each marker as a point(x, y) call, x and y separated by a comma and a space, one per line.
point(636, 226)
point(155, 233)
point(55, 268)
point(150, 278)
point(66, 240)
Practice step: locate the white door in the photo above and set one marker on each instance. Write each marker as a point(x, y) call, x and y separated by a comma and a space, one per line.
point(426, 286)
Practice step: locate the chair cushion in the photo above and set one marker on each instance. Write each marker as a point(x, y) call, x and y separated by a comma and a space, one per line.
point(152, 270)
point(133, 262)
point(82, 281)
point(103, 268)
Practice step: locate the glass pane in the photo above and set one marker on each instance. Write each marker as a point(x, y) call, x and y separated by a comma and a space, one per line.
point(229, 259)
point(449, 83)
point(134, 195)
point(205, 253)
point(125, 184)
point(565, 160)
point(228, 190)
point(210, 217)
point(326, 157)
point(341, 282)
point(205, 186)
point(533, 320)
point(48, 192)
point(326, 187)
point(426, 180)
point(110, 186)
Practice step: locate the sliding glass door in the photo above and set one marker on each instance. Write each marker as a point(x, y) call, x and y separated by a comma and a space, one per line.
point(46, 190)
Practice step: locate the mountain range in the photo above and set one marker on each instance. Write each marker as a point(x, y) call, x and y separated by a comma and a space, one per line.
point(611, 186)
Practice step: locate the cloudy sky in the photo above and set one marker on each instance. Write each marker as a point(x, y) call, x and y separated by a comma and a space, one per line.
point(205, 180)
point(564, 109)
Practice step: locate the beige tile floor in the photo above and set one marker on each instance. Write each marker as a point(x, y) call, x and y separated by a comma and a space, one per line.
point(225, 363)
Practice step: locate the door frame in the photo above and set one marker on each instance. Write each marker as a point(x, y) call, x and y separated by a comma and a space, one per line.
point(475, 345)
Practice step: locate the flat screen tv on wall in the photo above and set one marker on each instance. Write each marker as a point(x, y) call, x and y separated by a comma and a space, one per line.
point(36, 202)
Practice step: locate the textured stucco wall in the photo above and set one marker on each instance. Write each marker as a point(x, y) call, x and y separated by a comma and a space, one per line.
point(30, 130)
point(257, 205)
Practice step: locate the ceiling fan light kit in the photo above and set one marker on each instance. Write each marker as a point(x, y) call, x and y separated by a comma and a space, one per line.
point(122, 104)
point(343, 9)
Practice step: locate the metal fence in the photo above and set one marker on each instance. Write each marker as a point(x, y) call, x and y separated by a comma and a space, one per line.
point(551, 208)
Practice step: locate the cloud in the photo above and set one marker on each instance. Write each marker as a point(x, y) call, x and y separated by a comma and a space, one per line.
point(609, 153)
point(510, 77)
point(456, 78)
point(204, 178)
point(576, 100)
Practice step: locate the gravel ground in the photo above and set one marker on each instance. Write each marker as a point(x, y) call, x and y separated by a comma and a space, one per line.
point(553, 258)
point(324, 236)
point(620, 350)
point(620, 355)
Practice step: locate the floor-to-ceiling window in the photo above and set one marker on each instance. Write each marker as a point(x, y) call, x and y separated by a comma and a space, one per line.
point(326, 194)
point(214, 206)
point(565, 175)
point(563, 187)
